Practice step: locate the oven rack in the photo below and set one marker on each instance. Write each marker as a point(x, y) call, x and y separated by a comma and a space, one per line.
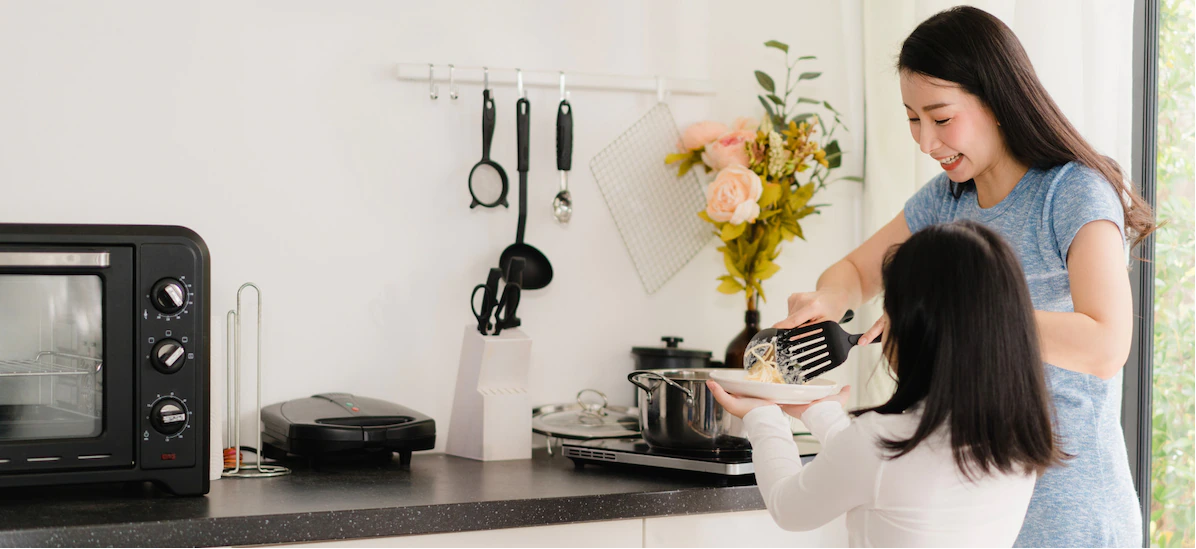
point(38, 367)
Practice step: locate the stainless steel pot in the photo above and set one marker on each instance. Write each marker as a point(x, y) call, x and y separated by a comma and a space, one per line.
point(678, 412)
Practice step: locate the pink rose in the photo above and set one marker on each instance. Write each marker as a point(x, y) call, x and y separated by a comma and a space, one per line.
point(745, 123)
point(698, 135)
point(733, 194)
point(729, 149)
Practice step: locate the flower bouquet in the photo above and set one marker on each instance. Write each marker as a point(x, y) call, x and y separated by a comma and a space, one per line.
point(766, 174)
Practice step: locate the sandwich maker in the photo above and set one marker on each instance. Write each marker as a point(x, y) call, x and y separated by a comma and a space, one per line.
point(341, 424)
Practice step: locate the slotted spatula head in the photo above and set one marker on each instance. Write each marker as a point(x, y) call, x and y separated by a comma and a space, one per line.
point(810, 351)
point(805, 352)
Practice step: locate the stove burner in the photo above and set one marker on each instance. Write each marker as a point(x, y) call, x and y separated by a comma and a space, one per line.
point(636, 452)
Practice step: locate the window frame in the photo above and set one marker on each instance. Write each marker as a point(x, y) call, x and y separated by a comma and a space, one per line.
point(1136, 408)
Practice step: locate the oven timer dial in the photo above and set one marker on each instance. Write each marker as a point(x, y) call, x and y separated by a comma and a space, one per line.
point(168, 415)
point(169, 296)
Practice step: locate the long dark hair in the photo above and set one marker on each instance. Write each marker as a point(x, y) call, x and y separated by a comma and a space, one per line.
point(964, 343)
point(972, 48)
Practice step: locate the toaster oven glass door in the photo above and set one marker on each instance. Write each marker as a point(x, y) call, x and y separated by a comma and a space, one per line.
point(66, 359)
point(51, 357)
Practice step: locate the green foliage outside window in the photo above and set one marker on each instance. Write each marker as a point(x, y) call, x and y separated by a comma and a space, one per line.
point(1172, 466)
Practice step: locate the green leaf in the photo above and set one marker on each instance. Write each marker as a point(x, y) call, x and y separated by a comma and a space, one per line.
point(731, 267)
point(808, 76)
point(808, 100)
point(830, 108)
point(767, 214)
point(731, 232)
point(780, 102)
point(685, 166)
point(770, 196)
point(765, 269)
point(834, 157)
point(706, 217)
point(766, 82)
point(730, 286)
point(803, 194)
point(799, 118)
point(851, 178)
point(805, 57)
point(773, 118)
point(777, 45)
point(676, 157)
point(767, 107)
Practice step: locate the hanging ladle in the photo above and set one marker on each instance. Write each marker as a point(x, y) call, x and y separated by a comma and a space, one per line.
point(537, 271)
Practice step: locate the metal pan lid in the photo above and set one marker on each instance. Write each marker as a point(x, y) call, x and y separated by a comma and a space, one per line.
point(586, 420)
point(670, 350)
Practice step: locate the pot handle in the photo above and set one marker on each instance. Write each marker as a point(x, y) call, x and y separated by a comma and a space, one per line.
point(633, 377)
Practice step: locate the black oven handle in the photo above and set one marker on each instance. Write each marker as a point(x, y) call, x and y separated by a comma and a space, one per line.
point(87, 260)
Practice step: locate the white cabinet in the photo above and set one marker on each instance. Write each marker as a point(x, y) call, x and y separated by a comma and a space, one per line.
point(615, 533)
point(745, 529)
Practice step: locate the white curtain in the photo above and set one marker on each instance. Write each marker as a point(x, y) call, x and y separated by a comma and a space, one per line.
point(1081, 50)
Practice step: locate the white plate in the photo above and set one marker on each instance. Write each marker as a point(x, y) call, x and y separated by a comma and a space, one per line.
point(781, 393)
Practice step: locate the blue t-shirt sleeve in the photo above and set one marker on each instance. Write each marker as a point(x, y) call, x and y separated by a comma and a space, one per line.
point(1078, 197)
point(922, 209)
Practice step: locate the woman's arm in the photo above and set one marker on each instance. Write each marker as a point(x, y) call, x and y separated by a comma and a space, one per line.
point(841, 477)
point(849, 282)
point(1096, 338)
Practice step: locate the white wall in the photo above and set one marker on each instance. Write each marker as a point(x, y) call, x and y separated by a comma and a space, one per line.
point(277, 131)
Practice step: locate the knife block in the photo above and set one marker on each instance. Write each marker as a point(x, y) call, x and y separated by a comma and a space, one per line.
point(492, 413)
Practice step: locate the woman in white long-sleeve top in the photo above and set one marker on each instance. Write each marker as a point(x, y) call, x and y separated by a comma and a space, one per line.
point(951, 459)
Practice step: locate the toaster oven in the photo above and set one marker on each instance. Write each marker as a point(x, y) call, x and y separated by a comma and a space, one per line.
point(104, 356)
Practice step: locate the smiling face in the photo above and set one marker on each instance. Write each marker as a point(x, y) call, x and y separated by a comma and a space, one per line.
point(952, 126)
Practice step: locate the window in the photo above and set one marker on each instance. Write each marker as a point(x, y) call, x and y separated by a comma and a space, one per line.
point(1172, 398)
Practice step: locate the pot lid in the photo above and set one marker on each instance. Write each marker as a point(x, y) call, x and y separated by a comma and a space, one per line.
point(670, 350)
point(586, 419)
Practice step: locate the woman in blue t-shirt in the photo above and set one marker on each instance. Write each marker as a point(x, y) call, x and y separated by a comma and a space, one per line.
point(1013, 162)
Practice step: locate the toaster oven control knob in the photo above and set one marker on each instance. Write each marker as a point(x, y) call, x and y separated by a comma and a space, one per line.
point(169, 295)
point(168, 356)
point(169, 416)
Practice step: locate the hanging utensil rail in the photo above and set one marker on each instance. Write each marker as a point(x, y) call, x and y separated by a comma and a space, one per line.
point(453, 75)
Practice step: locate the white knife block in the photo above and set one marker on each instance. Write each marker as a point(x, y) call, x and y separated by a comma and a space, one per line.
point(492, 414)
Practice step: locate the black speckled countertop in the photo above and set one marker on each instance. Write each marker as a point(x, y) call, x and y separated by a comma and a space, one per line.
point(439, 493)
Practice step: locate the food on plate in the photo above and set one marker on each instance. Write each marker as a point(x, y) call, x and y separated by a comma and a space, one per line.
point(765, 367)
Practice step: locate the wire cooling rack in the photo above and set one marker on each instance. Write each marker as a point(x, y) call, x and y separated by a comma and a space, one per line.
point(656, 211)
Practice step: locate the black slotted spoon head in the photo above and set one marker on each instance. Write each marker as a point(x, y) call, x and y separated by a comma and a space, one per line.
point(806, 352)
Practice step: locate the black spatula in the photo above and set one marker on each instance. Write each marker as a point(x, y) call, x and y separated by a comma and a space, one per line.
point(813, 350)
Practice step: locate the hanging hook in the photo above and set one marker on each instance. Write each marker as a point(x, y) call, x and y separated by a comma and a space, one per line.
point(485, 78)
point(433, 89)
point(564, 94)
point(452, 85)
point(660, 89)
point(519, 83)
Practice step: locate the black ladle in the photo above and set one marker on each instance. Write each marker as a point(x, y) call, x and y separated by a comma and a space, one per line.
point(537, 271)
point(487, 137)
